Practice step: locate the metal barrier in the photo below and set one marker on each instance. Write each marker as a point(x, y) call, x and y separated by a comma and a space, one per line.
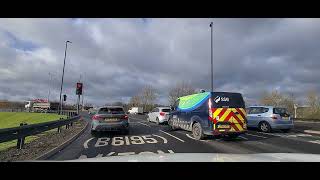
point(24, 130)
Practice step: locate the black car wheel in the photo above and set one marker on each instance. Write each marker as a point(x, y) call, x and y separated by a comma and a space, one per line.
point(197, 131)
point(264, 127)
point(157, 121)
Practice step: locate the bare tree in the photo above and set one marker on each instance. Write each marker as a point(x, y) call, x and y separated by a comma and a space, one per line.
point(313, 102)
point(135, 101)
point(180, 89)
point(277, 99)
point(148, 96)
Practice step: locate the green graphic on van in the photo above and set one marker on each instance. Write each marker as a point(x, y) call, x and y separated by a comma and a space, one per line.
point(191, 102)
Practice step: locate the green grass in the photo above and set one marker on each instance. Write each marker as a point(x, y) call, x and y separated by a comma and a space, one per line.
point(13, 119)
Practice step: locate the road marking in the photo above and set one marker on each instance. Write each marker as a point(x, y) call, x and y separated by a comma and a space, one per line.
point(170, 151)
point(164, 139)
point(125, 153)
point(312, 132)
point(243, 137)
point(86, 143)
point(110, 154)
point(256, 135)
point(172, 136)
point(99, 155)
point(195, 139)
point(315, 142)
point(143, 124)
point(83, 157)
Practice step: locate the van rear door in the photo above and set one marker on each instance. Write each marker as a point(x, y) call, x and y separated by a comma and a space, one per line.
point(227, 112)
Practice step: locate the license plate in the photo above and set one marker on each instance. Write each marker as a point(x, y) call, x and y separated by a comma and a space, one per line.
point(285, 118)
point(224, 126)
point(110, 120)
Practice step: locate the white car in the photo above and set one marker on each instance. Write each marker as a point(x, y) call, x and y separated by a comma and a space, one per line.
point(159, 115)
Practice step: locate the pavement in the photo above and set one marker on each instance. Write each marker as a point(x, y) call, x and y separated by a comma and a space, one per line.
point(149, 138)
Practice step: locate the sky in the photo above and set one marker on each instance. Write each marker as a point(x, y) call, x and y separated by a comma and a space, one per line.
point(118, 57)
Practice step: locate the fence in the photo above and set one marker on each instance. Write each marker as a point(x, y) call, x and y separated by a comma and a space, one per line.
point(24, 130)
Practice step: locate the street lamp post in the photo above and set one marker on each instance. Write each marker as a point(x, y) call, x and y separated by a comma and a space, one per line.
point(211, 24)
point(64, 63)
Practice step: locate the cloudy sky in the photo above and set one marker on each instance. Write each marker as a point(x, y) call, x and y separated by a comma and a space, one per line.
point(118, 57)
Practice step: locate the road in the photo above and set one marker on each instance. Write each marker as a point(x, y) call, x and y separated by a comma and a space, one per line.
point(145, 137)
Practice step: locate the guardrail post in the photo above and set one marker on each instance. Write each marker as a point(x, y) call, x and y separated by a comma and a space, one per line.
point(20, 141)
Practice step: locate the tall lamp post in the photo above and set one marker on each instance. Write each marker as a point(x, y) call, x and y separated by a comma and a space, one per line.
point(64, 63)
point(211, 26)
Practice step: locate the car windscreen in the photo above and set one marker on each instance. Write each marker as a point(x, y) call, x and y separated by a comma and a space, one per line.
point(226, 99)
point(165, 110)
point(111, 111)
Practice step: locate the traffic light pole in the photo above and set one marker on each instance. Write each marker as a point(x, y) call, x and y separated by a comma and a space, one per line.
point(78, 104)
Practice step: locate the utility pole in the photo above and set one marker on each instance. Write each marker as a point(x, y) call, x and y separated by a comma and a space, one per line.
point(50, 81)
point(64, 63)
point(211, 26)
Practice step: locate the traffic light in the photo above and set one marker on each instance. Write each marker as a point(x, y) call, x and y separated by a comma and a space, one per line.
point(79, 89)
point(64, 97)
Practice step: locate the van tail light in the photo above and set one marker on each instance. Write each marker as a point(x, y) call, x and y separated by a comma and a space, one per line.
point(162, 113)
point(96, 117)
point(274, 116)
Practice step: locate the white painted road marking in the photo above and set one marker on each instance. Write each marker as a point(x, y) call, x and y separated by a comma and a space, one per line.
point(172, 136)
point(86, 143)
point(315, 142)
point(312, 132)
point(83, 157)
point(144, 124)
point(243, 137)
point(126, 140)
point(255, 135)
point(164, 139)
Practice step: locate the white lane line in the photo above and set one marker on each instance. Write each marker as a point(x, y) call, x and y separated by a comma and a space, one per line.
point(256, 135)
point(243, 137)
point(170, 151)
point(190, 137)
point(83, 157)
point(99, 155)
point(315, 142)
point(164, 139)
point(311, 131)
point(86, 143)
point(110, 154)
point(144, 124)
point(271, 134)
point(172, 136)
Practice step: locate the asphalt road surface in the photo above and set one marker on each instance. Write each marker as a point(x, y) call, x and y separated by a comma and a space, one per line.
point(145, 137)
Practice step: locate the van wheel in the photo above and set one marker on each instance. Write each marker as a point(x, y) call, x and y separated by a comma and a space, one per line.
point(157, 121)
point(197, 131)
point(264, 127)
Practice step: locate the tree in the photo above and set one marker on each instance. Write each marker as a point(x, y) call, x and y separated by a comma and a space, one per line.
point(180, 89)
point(278, 99)
point(148, 96)
point(313, 102)
point(135, 101)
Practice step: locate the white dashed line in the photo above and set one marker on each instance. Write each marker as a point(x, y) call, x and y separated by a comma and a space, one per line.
point(312, 132)
point(315, 142)
point(172, 136)
point(243, 137)
point(144, 124)
point(83, 157)
point(86, 143)
point(256, 135)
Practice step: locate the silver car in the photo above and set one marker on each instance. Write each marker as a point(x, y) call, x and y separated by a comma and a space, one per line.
point(268, 118)
point(159, 115)
point(110, 118)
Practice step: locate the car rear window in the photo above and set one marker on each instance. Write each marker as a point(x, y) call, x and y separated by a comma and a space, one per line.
point(165, 110)
point(226, 99)
point(280, 111)
point(111, 111)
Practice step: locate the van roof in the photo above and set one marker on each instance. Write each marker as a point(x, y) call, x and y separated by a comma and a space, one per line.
point(211, 92)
